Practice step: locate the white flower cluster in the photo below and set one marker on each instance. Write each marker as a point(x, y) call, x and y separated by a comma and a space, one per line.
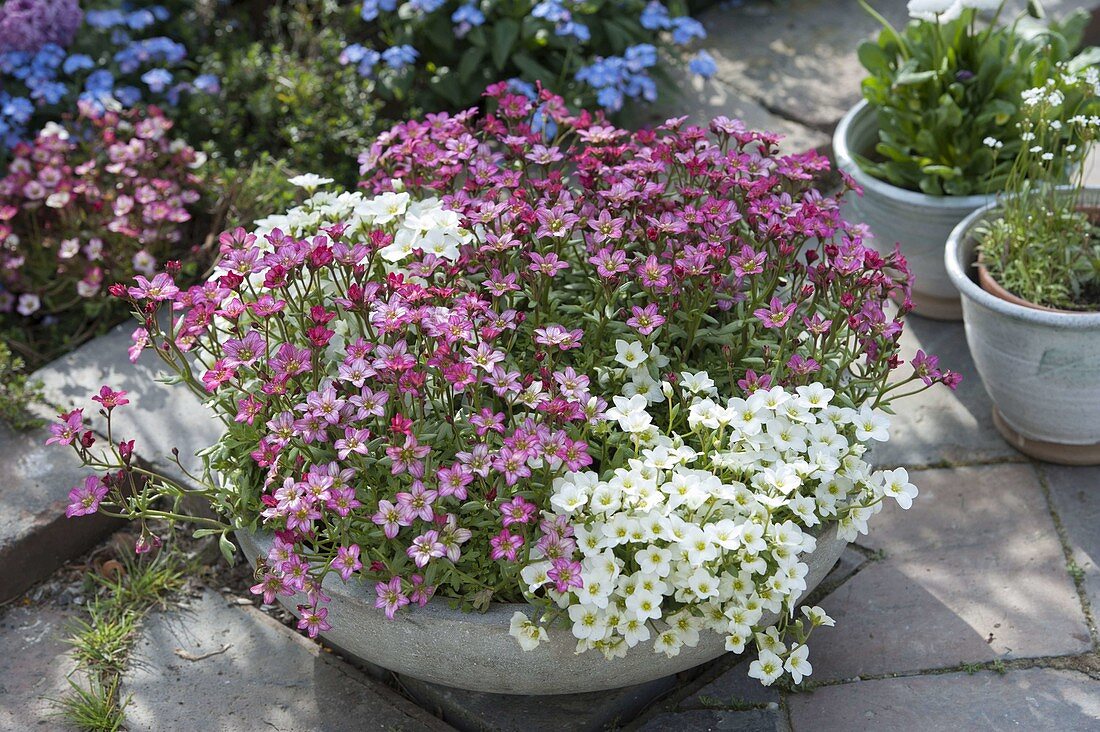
point(709, 530)
point(944, 11)
point(424, 225)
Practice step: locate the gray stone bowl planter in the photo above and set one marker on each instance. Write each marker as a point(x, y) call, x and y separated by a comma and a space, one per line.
point(474, 651)
point(918, 222)
point(1040, 367)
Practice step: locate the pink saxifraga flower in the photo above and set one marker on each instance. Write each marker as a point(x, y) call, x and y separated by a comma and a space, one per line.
point(84, 499)
point(390, 596)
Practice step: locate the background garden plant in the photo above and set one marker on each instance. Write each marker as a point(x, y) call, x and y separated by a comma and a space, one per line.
point(406, 374)
point(79, 209)
point(441, 55)
point(947, 81)
point(54, 54)
point(1041, 246)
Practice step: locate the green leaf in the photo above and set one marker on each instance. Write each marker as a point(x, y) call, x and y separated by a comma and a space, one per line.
point(505, 33)
point(873, 58)
point(943, 171)
point(229, 551)
point(470, 63)
point(914, 77)
point(532, 69)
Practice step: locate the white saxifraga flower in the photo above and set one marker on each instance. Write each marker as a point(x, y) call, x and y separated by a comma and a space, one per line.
point(705, 531)
point(630, 354)
point(526, 632)
point(309, 181)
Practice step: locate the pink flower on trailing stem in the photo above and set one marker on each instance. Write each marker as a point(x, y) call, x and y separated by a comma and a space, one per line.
point(313, 620)
point(110, 399)
point(68, 429)
point(84, 499)
point(271, 586)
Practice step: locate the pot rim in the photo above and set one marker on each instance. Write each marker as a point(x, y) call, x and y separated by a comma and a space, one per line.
point(960, 244)
point(845, 161)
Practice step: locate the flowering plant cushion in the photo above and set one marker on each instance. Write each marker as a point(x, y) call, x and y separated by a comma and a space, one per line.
point(621, 378)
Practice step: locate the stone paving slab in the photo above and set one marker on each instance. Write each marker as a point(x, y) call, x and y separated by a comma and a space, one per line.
point(35, 663)
point(267, 678)
point(1075, 493)
point(797, 58)
point(973, 573)
point(473, 711)
point(703, 100)
point(1030, 699)
point(941, 426)
point(35, 536)
point(160, 417)
point(704, 720)
point(733, 689)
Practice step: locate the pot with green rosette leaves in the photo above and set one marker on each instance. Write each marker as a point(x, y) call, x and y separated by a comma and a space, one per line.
point(480, 430)
point(1028, 269)
point(937, 94)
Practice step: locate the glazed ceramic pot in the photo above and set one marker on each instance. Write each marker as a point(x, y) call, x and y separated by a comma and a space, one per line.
point(1040, 366)
point(918, 222)
point(474, 651)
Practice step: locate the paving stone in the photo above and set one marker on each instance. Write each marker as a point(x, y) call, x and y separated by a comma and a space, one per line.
point(797, 58)
point(159, 417)
point(1029, 699)
point(479, 712)
point(965, 508)
point(752, 720)
point(35, 665)
point(733, 689)
point(940, 425)
point(35, 536)
point(703, 100)
point(972, 572)
point(268, 677)
point(1076, 496)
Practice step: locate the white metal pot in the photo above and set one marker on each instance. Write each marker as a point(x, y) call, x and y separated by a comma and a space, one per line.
point(474, 651)
point(918, 222)
point(1040, 367)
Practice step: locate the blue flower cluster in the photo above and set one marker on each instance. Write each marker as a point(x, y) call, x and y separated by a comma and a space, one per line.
point(616, 78)
point(116, 66)
point(564, 25)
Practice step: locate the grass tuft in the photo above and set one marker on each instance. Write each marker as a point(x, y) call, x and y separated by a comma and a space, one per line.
point(101, 642)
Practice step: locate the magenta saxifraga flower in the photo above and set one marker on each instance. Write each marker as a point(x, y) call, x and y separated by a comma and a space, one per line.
point(85, 498)
point(410, 372)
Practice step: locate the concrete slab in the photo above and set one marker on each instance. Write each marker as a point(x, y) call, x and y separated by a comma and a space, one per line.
point(35, 536)
point(972, 572)
point(237, 669)
point(1075, 493)
point(36, 662)
point(1030, 699)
